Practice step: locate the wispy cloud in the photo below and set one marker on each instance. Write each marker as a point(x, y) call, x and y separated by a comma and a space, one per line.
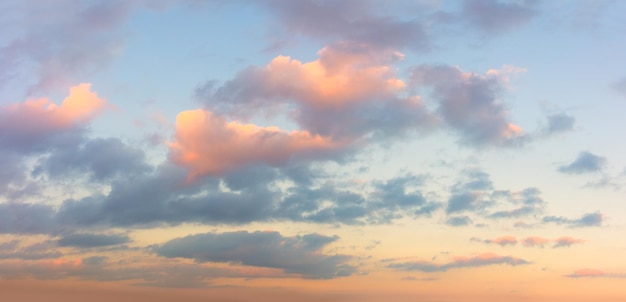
point(460, 262)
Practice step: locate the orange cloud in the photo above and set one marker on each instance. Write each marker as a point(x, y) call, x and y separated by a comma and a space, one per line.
point(80, 106)
point(207, 144)
point(338, 77)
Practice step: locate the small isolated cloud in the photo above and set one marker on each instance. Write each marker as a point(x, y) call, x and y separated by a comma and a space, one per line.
point(558, 123)
point(460, 262)
point(534, 241)
point(620, 87)
point(586, 162)
point(566, 242)
point(501, 241)
point(587, 220)
point(595, 273)
point(459, 221)
point(89, 240)
point(300, 255)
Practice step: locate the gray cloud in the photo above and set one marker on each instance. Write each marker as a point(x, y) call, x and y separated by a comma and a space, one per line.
point(467, 262)
point(559, 123)
point(470, 104)
point(587, 220)
point(585, 162)
point(494, 16)
point(620, 87)
point(459, 221)
point(566, 242)
point(352, 20)
point(89, 240)
point(100, 158)
point(68, 42)
point(42, 250)
point(594, 273)
point(295, 255)
point(19, 218)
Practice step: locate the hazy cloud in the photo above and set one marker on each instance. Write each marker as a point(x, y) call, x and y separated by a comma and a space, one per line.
point(459, 221)
point(559, 123)
point(566, 241)
point(90, 240)
point(471, 103)
point(594, 273)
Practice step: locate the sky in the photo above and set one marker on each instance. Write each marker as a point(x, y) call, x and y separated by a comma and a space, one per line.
point(280, 150)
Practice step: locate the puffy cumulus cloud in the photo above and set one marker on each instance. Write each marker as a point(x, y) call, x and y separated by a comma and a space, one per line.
point(207, 144)
point(585, 162)
point(38, 125)
point(493, 16)
point(594, 273)
point(352, 20)
point(100, 159)
point(566, 241)
point(298, 255)
point(558, 123)
point(90, 240)
point(459, 262)
point(587, 220)
point(533, 241)
point(471, 103)
point(351, 91)
point(15, 250)
point(52, 44)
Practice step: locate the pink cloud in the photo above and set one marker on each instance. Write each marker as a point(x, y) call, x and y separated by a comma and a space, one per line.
point(503, 241)
point(208, 144)
point(594, 273)
point(28, 125)
point(566, 241)
point(535, 241)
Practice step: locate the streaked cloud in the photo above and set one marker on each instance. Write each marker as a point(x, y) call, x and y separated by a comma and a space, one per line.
point(594, 273)
point(295, 255)
point(460, 262)
point(587, 220)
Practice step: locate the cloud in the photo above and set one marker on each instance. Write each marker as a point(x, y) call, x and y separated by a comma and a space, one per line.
point(53, 44)
point(351, 20)
point(502, 241)
point(38, 125)
point(460, 262)
point(207, 144)
point(586, 162)
point(587, 220)
point(566, 241)
point(494, 16)
point(459, 221)
point(464, 202)
point(559, 123)
point(620, 86)
point(350, 92)
point(14, 250)
point(298, 255)
point(101, 159)
point(529, 199)
point(20, 218)
point(89, 240)
point(533, 241)
point(594, 273)
point(470, 103)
